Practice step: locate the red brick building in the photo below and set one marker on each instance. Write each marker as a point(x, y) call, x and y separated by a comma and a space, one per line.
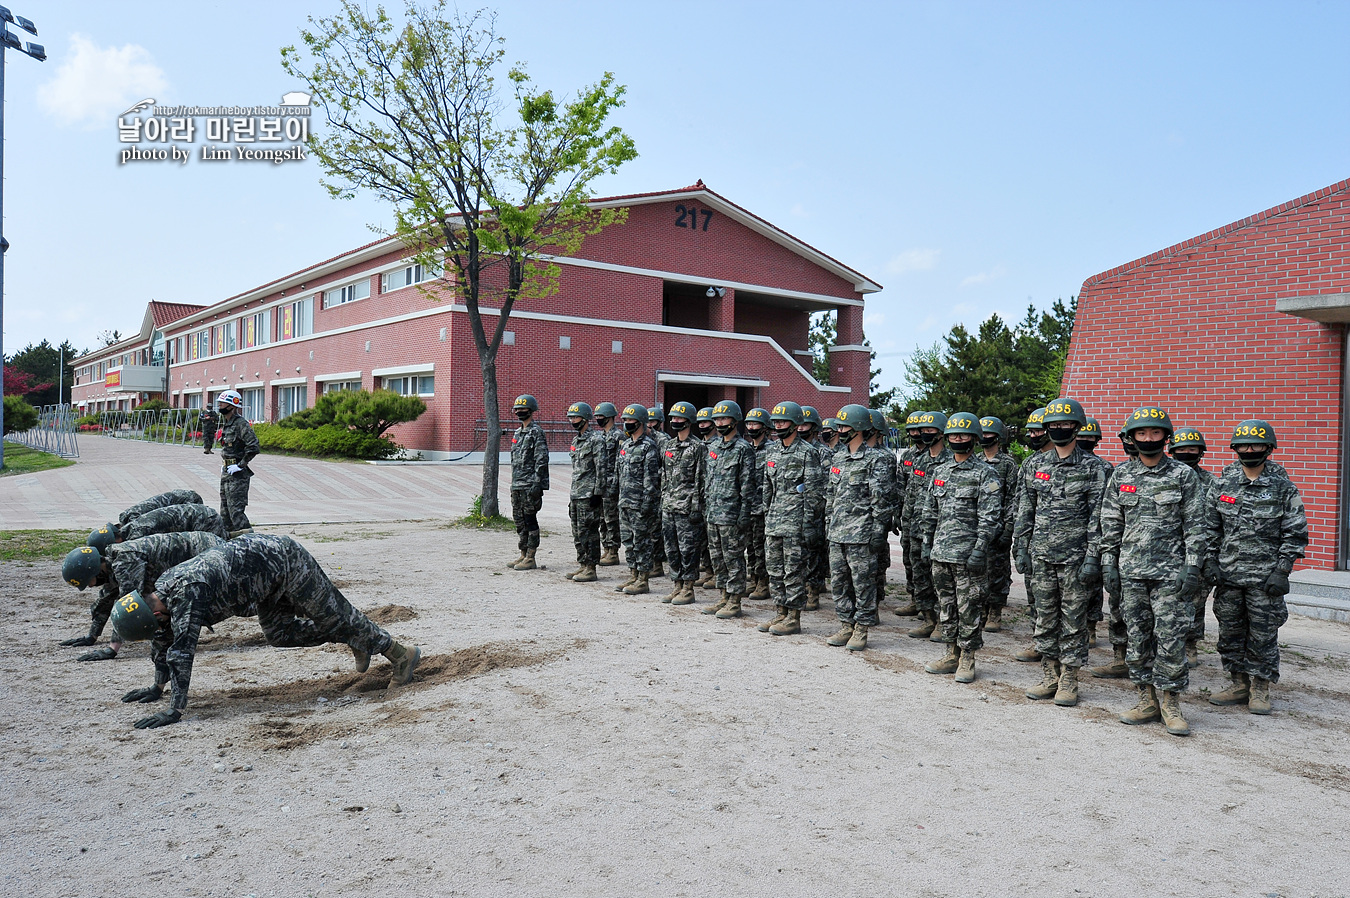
point(692, 298)
point(1247, 321)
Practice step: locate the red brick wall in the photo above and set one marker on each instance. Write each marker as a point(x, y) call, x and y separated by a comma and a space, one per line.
point(1194, 330)
point(788, 327)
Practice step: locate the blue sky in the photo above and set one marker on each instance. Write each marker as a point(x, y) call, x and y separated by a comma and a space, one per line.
point(971, 157)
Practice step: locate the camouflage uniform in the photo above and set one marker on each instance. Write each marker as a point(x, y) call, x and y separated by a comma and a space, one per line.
point(137, 563)
point(176, 519)
point(794, 503)
point(1208, 482)
point(682, 473)
point(529, 479)
point(730, 488)
point(662, 439)
point(916, 500)
point(271, 576)
point(1097, 601)
point(962, 511)
point(904, 469)
point(1153, 519)
point(639, 501)
point(1255, 527)
point(609, 523)
point(238, 446)
point(884, 459)
point(588, 491)
point(856, 515)
point(755, 549)
point(1005, 469)
point(817, 549)
point(172, 497)
point(1057, 524)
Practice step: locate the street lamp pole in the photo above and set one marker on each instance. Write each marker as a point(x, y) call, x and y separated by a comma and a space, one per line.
point(8, 40)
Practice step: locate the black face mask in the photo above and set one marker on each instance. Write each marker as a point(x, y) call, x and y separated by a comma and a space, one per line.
point(1251, 459)
point(1088, 446)
point(578, 426)
point(678, 427)
point(962, 446)
point(704, 428)
point(929, 439)
point(845, 436)
point(1190, 458)
point(725, 429)
point(1061, 436)
point(989, 440)
point(523, 413)
point(754, 433)
point(916, 439)
point(827, 435)
point(785, 431)
point(631, 426)
point(1150, 447)
point(1036, 442)
point(601, 422)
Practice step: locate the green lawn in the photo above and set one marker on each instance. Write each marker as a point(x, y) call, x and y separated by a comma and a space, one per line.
point(38, 545)
point(22, 460)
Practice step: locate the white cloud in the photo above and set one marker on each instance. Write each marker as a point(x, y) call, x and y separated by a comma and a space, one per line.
point(874, 319)
point(94, 84)
point(913, 260)
point(984, 277)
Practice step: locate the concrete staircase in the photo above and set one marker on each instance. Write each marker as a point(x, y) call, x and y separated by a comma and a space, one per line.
point(1320, 594)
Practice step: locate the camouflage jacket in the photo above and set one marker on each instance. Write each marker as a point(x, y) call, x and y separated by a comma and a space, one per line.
point(1058, 505)
point(884, 459)
point(588, 465)
point(732, 481)
point(176, 519)
point(1005, 469)
point(1153, 519)
point(138, 563)
point(1272, 469)
point(682, 472)
point(963, 509)
point(1254, 527)
point(238, 443)
point(794, 489)
point(904, 465)
point(1208, 480)
point(612, 440)
point(855, 499)
point(529, 459)
point(640, 476)
point(916, 490)
point(172, 497)
point(761, 461)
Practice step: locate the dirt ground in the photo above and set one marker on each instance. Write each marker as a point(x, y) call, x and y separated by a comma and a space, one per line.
point(562, 739)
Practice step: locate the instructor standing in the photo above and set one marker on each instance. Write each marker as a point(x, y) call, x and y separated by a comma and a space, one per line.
point(238, 447)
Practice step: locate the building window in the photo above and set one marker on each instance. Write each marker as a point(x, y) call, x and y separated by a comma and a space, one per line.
point(406, 277)
point(297, 319)
point(255, 330)
point(194, 400)
point(508, 338)
point(338, 386)
point(616, 346)
point(564, 342)
point(253, 404)
point(412, 385)
point(349, 293)
point(291, 400)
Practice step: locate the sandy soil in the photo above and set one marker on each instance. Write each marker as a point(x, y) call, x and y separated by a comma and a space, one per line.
point(562, 739)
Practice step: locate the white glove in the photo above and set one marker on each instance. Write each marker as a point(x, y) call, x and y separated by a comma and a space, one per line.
point(233, 469)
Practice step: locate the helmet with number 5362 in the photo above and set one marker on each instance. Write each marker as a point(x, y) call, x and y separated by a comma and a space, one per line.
point(1253, 432)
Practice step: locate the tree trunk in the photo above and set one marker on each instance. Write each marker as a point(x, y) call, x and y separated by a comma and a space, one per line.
point(487, 359)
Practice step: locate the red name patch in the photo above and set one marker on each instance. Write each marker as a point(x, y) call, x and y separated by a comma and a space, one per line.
point(574, 448)
point(918, 472)
point(670, 455)
point(1231, 500)
point(1128, 488)
point(712, 455)
point(1042, 475)
point(909, 463)
point(623, 451)
point(939, 483)
point(835, 471)
point(771, 464)
point(514, 441)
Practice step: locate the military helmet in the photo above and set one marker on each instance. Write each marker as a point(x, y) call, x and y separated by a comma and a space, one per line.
point(912, 420)
point(657, 414)
point(1062, 410)
point(132, 617)
point(81, 567)
point(605, 410)
point(684, 410)
point(580, 410)
point(787, 411)
point(637, 412)
point(858, 417)
point(526, 401)
point(991, 424)
point(757, 414)
point(230, 398)
point(828, 424)
point(878, 420)
point(1036, 420)
point(810, 415)
point(1188, 436)
point(963, 423)
point(727, 408)
point(932, 419)
point(103, 537)
point(1149, 416)
point(1253, 432)
point(1091, 430)
point(704, 414)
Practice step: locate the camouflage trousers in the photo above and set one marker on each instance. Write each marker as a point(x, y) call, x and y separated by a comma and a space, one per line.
point(883, 565)
point(1157, 621)
point(908, 562)
point(1115, 630)
point(755, 550)
point(233, 501)
point(683, 534)
point(585, 530)
point(818, 559)
point(853, 580)
point(1198, 623)
point(307, 609)
point(726, 546)
point(921, 576)
point(786, 568)
point(1249, 626)
point(1061, 612)
point(609, 524)
point(639, 534)
point(961, 599)
point(1000, 574)
point(525, 505)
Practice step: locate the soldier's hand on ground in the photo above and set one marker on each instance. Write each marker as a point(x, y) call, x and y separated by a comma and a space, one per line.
point(162, 719)
point(978, 560)
point(104, 653)
point(79, 641)
point(1022, 560)
point(1190, 580)
point(144, 696)
point(233, 469)
point(1111, 575)
point(1090, 574)
point(1277, 584)
point(1211, 571)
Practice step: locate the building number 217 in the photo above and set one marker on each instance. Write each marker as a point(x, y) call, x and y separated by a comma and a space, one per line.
point(688, 218)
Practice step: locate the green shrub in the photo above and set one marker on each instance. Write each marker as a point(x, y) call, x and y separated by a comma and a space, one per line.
point(88, 420)
point(153, 405)
point(324, 441)
point(359, 411)
point(19, 415)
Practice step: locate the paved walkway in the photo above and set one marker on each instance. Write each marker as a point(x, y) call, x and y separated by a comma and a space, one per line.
point(113, 474)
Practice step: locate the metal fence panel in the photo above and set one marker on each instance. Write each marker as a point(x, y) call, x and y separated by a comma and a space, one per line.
point(54, 433)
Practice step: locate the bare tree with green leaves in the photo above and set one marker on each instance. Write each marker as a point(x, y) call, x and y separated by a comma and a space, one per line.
point(485, 189)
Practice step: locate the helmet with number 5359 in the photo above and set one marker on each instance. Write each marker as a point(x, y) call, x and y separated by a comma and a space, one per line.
point(1149, 416)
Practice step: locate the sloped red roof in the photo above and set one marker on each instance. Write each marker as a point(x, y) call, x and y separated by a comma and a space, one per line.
point(165, 312)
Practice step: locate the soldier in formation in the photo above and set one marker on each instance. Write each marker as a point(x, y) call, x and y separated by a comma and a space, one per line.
point(529, 480)
point(934, 453)
point(1188, 446)
point(731, 496)
point(1088, 437)
point(992, 448)
point(587, 499)
point(756, 429)
point(606, 415)
point(639, 499)
point(794, 504)
point(857, 520)
point(683, 463)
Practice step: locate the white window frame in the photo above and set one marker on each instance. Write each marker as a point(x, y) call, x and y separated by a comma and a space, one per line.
point(339, 386)
point(286, 397)
point(411, 384)
point(406, 276)
point(254, 404)
point(351, 292)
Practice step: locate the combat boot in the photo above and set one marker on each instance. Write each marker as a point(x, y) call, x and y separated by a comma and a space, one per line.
point(632, 578)
point(707, 580)
point(519, 559)
point(731, 609)
point(1145, 710)
point(761, 591)
point(1172, 717)
point(362, 659)
point(1092, 634)
point(965, 673)
point(1049, 684)
point(573, 575)
point(909, 609)
point(677, 587)
point(686, 596)
point(790, 625)
point(925, 629)
point(658, 571)
point(1192, 654)
point(1067, 694)
point(843, 636)
point(782, 613)
point(1028, 654)
point(403, 659)
point(812, 597)
point(1259, 703)
point(586, 575)
point(1116, 669)
point(858, 641)
point(994, 623)
point(947, 664)
point(527, 563)
point(716, 606)
point(609, 559)
point(1236, 694)
point(639, 585)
